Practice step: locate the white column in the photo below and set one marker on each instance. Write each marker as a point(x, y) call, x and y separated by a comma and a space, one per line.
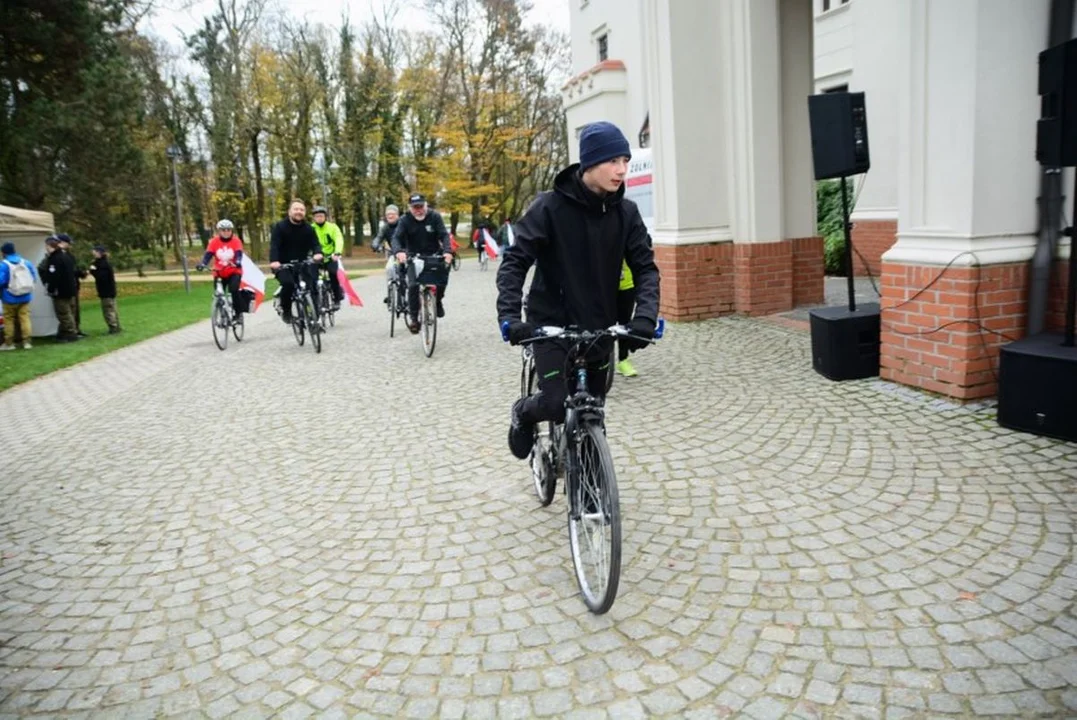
point(682, 61)
point(879, 60)
point(967, 172)
point(798, 177)
point(749, 41)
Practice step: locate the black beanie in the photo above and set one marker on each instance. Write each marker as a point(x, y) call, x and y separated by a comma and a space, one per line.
point(602, 141)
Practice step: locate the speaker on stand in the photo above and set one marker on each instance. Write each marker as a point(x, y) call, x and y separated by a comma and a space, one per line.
point(1037, 383)
point(844, 340)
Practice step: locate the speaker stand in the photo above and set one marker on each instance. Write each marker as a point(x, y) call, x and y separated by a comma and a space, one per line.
point(845, 341)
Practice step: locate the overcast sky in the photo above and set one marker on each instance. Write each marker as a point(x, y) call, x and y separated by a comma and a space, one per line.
point(171, 18)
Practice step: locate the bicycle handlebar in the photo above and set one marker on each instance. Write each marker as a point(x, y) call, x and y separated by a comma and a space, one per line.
point(574, 335)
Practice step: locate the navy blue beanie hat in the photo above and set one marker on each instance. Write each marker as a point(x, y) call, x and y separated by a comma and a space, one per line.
point(602, 141)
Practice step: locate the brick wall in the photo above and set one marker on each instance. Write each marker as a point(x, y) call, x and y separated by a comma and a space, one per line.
point(697, 280)
point(930, 338)
point(764, 277)
point(709, 280)
point(871, 238)
point(808, 271)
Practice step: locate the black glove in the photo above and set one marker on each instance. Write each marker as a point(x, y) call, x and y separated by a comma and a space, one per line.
point(199, 267)
point(642, 331)
point(520, 331)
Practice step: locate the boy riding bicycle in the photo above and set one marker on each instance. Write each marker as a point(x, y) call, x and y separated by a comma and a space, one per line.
point(577, 235)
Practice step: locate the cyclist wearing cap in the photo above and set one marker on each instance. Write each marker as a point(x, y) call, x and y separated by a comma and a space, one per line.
point(332, 242)
point(226, 251)
point(576, 236)
point(422, 232)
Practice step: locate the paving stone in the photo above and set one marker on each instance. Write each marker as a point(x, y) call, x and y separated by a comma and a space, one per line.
point(792, 547)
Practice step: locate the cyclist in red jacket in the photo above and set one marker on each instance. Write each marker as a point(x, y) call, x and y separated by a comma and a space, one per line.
point(226, 251)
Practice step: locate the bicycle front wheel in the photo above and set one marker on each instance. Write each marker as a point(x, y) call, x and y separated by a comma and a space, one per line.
point(594, 521)
point(298, 327)
point(220, 326)
point(310, 318)
point(455, 261)
point(430, 321)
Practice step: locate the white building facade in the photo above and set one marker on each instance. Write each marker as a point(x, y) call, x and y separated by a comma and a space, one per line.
point(718, 88)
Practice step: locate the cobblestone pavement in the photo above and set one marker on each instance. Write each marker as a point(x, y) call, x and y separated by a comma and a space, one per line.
point(266, 532)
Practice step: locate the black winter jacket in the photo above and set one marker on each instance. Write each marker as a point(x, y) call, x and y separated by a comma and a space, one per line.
point(289, 242)
point(577, 240)
point(58, 274)
point(428, 237)
point(101, 269)
point(385, 235)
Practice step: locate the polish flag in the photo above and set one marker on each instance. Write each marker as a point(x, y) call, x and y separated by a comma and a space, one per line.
point(253, 279)
point(491, 246)
point(346, 285)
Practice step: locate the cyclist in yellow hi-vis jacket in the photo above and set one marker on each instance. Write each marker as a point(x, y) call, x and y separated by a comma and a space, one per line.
point(332, 242)
point(626, 305)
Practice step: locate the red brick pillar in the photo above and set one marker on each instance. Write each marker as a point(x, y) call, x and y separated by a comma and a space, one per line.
point(871, 238)
point(941, 329)
point(697, 280)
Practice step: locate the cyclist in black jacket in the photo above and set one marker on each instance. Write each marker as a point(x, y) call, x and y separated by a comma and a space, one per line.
point(423, 232)
point(577, 236)
point(293, 239)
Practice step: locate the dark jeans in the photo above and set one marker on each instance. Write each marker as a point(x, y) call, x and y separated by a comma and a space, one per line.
point(231, 284)
point(551, 359)
point(332, 266)
point(287, 280)
point(626, 306)
point(413, 293)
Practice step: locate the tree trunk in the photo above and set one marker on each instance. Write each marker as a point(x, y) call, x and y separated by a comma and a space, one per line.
point(256, 231)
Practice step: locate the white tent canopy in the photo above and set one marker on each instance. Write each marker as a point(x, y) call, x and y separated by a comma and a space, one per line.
point(27, 229)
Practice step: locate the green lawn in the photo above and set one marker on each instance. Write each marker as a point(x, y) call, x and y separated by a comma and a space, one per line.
point(145, 310)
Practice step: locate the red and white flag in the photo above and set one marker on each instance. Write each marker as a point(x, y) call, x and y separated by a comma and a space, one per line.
point(254, 280)
point(491, 245)
point(346, 285)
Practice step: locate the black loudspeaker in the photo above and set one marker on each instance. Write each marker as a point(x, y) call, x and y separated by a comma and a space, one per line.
point(844, 342)
point(1037, 387)
point(839, 134)
point(1056, 130)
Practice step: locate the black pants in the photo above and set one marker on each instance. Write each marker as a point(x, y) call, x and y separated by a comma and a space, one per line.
point(332, 266)
point(287, 285)
point(231, 284)
point(626, 306)
point(554, 377)
point(413, 293)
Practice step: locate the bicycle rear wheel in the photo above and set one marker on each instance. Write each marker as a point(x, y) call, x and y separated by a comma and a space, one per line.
point(543, 451)
point(310, 318)
point(238, 327)
point(220, 326)
point(594, 521)
point(430, 321)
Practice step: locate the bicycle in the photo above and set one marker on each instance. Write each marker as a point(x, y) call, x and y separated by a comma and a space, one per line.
point(430, 272)
point(578, 449)
point(395, 296)
point(222, 316)
point(455, 260)
point(326, 301)
point(484, 261)
point(304, 316)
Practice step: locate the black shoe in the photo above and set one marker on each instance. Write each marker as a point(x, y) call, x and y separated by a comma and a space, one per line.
point(521, 434)
point(114, 331)
point(81, 334)
point(441, 310)
point(413, 325)
point(286, 317)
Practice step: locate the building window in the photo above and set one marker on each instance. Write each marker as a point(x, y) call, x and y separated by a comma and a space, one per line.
point(838, 88)
point(603, 47)
point(827, 4)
